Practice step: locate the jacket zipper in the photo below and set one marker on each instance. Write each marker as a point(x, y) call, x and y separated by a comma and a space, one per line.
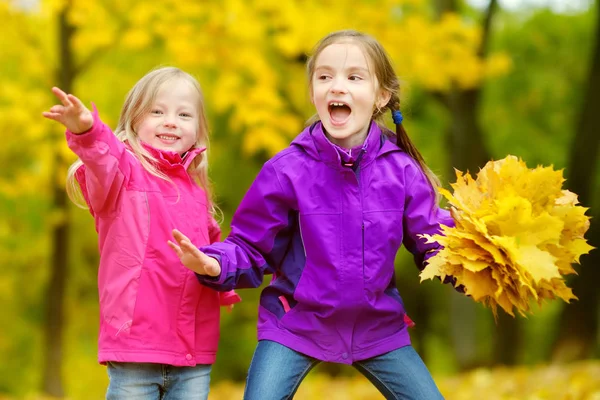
point(301, 235)
point(362, 228)
point(362, 220)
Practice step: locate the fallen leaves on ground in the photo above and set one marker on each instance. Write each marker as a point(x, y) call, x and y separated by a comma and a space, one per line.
point(577, 381)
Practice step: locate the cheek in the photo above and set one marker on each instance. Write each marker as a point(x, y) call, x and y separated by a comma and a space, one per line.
point(141, 130)
point(143, 126)
point(319, 98)
point(193, 133)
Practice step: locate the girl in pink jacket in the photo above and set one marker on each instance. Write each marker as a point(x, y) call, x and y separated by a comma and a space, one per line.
point(159, 327)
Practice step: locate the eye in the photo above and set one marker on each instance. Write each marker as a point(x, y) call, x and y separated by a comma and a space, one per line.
point(323, 77)
point(185, 115)
point(155, 111)
point(355, 78)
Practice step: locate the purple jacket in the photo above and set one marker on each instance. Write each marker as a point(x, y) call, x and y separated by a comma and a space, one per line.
point(329, 235)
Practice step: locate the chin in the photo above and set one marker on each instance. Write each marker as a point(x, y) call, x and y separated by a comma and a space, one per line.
point(338, 133)
point(340, 136)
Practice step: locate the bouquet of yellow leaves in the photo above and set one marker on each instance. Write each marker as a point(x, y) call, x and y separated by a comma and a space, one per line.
point(517, 233)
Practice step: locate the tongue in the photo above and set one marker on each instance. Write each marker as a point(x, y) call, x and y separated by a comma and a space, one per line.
point(339, 114)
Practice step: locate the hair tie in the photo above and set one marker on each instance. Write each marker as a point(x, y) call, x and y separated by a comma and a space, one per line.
point(397, 117)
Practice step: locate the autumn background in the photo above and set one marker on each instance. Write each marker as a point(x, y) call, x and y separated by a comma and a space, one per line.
point(481, 79)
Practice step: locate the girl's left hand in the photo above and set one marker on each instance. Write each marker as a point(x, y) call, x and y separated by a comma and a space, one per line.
point(72, 113)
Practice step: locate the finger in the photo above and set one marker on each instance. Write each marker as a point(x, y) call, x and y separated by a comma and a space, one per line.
point(58, 109)
point(52, 116)
point(76, 102)
point(179, 236)
point(176, 248)
point(187, 246)
point(211, 268)
point(62, 96)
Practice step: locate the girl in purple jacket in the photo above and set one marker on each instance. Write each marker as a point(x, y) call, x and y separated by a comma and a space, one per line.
point(326, 217)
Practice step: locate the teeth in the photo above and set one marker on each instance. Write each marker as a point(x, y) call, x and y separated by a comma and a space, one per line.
point(165, 137)
point(338, 104)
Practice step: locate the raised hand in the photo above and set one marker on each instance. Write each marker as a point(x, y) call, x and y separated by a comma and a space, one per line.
point(72, 113)
point(193, 258)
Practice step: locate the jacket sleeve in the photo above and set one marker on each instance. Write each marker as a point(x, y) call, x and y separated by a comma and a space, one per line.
point(107, 165)
point(422, 215)
point(260, 235)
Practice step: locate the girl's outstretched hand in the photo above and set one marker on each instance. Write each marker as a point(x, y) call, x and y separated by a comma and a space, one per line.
point(193, 258)
point(72, 113)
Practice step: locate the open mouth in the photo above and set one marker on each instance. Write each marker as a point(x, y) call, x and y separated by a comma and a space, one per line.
point(339, 112)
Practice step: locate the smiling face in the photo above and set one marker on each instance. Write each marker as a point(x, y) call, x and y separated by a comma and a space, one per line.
point(345, 92)
point(172, 121)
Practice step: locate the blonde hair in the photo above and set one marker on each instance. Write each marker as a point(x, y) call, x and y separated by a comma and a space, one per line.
point(138, 103)
point(388, 81)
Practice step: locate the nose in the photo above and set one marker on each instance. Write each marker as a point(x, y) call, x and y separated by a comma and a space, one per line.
point(338, 85)
point(169, 121)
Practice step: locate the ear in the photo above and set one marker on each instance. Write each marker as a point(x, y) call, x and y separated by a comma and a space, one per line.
point(383, 98)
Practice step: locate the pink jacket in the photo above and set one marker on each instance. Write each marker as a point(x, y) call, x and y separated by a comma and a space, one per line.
point(152, 308)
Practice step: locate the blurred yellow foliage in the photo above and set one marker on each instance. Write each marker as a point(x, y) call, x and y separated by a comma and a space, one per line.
point(249, 55)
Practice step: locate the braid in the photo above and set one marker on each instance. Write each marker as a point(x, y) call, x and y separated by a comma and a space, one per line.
point(404, 142)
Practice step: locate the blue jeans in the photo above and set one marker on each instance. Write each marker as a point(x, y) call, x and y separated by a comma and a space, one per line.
point(146, 381)
point(276, 372)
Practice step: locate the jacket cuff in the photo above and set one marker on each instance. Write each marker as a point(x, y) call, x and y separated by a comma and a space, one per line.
point(91, 135)
point(229, 298)
point(219, 279)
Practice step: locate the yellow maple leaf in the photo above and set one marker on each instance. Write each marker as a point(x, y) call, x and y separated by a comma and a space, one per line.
point(479, 285)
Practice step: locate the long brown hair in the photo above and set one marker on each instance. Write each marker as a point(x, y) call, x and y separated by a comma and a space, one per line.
point(388, 81)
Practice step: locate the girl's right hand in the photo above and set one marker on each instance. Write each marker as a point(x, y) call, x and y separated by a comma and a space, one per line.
point(193, 258)
point(72, 113)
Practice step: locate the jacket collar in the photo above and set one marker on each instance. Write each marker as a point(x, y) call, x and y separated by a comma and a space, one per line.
point(171, 158)
point(314, 141)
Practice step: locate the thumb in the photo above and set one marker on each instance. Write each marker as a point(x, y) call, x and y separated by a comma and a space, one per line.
point(211, 265)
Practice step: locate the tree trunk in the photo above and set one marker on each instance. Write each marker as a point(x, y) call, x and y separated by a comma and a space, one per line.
point(584, 150)
point(52, 381)
point(578, 328)
point(469, 152)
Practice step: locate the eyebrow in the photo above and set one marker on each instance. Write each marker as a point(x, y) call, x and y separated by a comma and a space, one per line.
point(351, 68)
point(167, 104)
